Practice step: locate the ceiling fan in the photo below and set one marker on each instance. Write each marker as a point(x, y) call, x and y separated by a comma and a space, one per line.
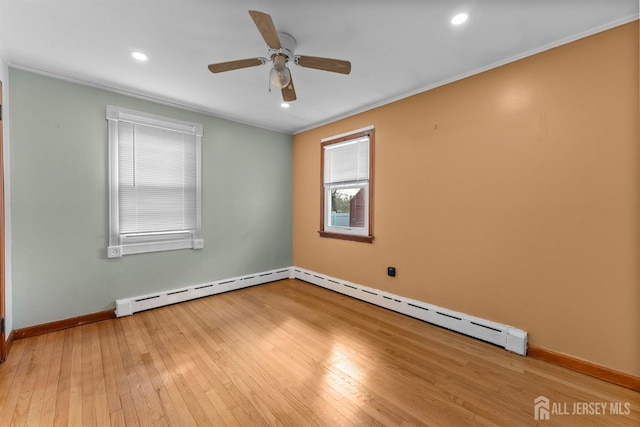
point(281, 51)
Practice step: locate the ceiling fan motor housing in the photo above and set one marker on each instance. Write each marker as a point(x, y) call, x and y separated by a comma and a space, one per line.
point(288, 44)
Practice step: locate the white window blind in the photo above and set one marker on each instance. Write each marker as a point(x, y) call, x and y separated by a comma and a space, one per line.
point(154, 183)
point(347, 162)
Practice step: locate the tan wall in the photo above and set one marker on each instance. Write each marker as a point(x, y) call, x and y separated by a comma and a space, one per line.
point(511, 195)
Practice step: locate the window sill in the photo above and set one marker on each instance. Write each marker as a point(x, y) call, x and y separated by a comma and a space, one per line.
point(351, 237)
point(117, 251)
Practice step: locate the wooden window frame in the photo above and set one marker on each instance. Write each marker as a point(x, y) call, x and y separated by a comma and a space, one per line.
point(344, 236)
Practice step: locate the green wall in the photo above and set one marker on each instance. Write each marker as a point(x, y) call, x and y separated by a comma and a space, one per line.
point(59, 202)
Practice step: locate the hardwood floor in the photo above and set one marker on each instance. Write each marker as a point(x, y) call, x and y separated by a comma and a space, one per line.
point(286, 353)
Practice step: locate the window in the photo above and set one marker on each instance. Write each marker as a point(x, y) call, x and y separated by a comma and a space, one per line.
point(347, 186)
point(154, 183)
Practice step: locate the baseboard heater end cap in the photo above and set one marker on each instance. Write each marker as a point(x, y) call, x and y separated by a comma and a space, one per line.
point(124, 307)
point(516, 341)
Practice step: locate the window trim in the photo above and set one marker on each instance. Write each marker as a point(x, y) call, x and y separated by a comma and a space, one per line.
point(134, 243)
point(328, 231)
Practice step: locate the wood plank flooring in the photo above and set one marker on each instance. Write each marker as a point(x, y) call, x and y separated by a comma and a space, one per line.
point(286, 353)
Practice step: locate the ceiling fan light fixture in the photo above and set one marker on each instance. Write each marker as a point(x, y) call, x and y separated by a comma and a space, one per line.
point(280, 76)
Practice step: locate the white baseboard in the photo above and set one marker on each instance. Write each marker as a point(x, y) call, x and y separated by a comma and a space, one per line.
point(512, 339)
point(128, 306)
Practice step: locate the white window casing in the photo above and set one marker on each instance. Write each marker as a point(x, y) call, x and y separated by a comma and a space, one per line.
point(154, 183)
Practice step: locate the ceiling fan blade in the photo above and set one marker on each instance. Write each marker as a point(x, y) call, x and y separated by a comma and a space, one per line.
point(289, 92)
point(267, 29)
point(326, 64)
point(235, 65)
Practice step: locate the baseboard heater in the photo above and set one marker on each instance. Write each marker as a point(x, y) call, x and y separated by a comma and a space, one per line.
point(512, 339)
point(128, 306)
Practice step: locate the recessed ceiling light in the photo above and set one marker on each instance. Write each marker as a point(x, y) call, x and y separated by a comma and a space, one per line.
point(460, 18)
point(139, 56)
point(285, 105)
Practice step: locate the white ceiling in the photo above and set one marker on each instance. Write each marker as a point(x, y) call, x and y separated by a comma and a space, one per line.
point(396, 48)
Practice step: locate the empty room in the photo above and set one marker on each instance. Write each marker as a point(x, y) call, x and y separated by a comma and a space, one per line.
point(328, 213)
